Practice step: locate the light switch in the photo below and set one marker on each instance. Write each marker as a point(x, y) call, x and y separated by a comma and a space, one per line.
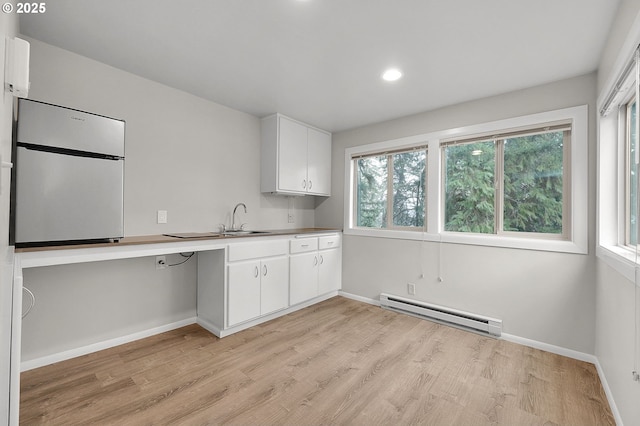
point(162, 216)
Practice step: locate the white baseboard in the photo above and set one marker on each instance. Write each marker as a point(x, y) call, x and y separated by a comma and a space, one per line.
point(607, 391)
point(95, 347)
point(359, 298)
point(570, 353)
point(236, 328)
point(559, 350)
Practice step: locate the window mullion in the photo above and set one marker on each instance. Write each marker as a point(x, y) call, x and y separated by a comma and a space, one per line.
point(566, 185)
point(499, 186)
point(389, 191)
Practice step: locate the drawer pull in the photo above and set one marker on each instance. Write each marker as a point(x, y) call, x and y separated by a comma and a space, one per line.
point(304, 245)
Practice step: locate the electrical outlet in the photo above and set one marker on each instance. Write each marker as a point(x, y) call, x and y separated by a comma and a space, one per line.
point(162, 216)
point(161, 262)
point(291, 217)
point(411, 288)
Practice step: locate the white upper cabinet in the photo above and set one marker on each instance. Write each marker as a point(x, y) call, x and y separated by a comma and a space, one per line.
point(318, 162)
point(296, 158)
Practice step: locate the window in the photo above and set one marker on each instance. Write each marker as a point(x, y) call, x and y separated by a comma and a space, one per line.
point(519, 183)
point(470, 187)
point(391, 189)
point(631, 175)
point(509, 183)
point(617, 231)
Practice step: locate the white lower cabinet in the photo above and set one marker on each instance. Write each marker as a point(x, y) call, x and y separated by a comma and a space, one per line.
point(315, 267)
point(304, 277)
point(274, 285)
point(243, 296)
point(257, 280)
point(329, 270)
point(256, 288)
point(263, 277)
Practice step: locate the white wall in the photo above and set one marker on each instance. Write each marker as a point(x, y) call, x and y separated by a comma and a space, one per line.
point(8, 28)
point(616, 296)
point(194, 158)
point(548, 297)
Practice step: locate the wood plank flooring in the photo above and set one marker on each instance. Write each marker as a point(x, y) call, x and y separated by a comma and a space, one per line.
point(338, 362)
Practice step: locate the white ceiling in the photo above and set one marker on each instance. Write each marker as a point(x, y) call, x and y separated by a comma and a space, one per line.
point(320, 61)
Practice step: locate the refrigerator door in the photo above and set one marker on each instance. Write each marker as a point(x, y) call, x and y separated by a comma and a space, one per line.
point(43, 124)
point(62, 197)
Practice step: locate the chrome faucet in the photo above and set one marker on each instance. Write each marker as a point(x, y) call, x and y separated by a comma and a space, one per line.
point(233, 217)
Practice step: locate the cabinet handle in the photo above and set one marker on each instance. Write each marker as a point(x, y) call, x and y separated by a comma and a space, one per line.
point(329, 242)
point(304, 183)
point(257, 272)
point(310, 184)
point(304, 245)
point(264, 270)
point(315, 260)
point(321, 259)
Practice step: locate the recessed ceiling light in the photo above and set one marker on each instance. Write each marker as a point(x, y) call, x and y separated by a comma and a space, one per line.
point(392, 74)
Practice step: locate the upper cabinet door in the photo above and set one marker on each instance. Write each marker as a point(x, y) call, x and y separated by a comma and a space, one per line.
point(319, 162)
point(292, 156)
point(295, 157)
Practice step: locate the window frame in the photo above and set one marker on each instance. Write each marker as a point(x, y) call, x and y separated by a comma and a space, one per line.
point(576, 240)
point(390, 192)
point(625, 142)
point(499, 151)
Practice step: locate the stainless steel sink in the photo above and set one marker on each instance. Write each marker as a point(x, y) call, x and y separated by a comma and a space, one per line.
point(242, 232)
point(186, 235)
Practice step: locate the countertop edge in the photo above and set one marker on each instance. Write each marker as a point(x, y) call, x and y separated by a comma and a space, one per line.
point(142, 246)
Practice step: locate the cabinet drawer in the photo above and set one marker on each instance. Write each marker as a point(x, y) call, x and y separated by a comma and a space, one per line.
point(255, 250)
point(328, 242)
point(301, 245)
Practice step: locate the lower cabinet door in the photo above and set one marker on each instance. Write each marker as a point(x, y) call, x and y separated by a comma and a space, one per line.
point(304, 277)
point(274, 284)
point(330, 271)
point(243, 295)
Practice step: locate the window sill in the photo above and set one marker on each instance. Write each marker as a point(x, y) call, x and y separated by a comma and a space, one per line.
point(538, 244)
point(620, 259)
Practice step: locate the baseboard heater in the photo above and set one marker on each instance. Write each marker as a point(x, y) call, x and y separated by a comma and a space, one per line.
point(466, 320)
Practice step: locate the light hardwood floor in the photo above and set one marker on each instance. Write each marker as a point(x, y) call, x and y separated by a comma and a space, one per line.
point(338, 362)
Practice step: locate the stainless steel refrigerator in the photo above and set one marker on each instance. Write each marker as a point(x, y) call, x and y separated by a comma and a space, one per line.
point(69, 176)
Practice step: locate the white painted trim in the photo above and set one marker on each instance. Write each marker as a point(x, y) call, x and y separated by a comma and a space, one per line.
point(558, 350)
point(579, 192)
point(559, 246)
point(569, 353)
point(627, 49)
point(619, 259)
point(352, 296)
point(210, 327)
point(607, 391)
point(269, 317)
point(95, 347)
